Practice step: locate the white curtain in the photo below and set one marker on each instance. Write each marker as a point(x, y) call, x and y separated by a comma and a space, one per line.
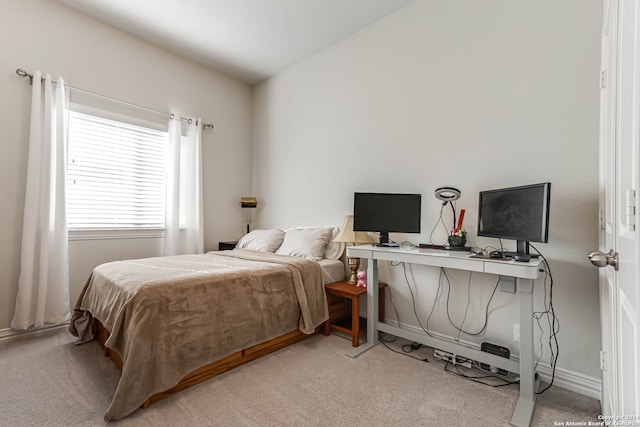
point(43, 286)
point(184, 232)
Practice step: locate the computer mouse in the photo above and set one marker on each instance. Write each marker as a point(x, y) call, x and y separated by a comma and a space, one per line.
point(522, 258)
point(496, 254)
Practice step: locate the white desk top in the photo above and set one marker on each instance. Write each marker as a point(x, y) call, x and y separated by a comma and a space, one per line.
point(449, 259)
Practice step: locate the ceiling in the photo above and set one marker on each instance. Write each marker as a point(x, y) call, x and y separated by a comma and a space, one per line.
point(250, 40)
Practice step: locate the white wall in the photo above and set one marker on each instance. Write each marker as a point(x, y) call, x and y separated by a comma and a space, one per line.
point(44, 35)
point(471, 94)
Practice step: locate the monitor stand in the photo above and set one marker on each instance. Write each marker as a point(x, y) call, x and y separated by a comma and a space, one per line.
point(522, 248)
point(384, 241)
point(384, 238)
point(388, 245)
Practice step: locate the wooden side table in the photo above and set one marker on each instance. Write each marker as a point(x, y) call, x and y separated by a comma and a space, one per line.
point(352, 293)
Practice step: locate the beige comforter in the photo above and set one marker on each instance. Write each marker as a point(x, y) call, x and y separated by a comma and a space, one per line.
point(169, 316)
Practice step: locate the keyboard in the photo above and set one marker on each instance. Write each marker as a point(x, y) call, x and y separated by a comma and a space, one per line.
point(445, 247)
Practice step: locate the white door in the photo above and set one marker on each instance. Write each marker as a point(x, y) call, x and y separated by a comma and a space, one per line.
point(607, 207)
point(619, 161)
point(628, 127)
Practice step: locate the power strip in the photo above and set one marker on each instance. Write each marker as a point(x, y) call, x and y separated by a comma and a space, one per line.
point(438, 354)
point(452, 358)
point(470, 363)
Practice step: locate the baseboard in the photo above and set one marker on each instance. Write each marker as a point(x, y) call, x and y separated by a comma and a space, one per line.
point(9, 335)
point(573, 381)
point(564, 378)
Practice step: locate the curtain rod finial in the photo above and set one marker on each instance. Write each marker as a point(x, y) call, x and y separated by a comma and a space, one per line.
point(22, 73)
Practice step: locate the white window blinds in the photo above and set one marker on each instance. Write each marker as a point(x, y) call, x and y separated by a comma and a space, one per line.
point(116, 174)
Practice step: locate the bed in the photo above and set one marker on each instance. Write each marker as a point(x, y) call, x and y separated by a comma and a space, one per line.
point(172, 322)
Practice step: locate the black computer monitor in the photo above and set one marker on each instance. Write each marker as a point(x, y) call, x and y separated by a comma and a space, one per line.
point(387, 213)
point(516, 213)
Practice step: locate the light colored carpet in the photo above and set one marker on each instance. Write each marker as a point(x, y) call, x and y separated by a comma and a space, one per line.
point(49, 381)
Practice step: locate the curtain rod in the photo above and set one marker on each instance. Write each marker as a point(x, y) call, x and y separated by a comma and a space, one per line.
point(22, 73)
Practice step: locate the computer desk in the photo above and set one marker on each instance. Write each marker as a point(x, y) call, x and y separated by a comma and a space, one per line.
point(520, 274)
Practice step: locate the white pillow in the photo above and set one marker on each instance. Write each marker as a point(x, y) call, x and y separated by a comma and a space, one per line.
point(305, 242)
point(333, 250)
point(261, 240)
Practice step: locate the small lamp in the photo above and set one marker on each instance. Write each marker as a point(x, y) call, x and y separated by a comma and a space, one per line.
point(448, 195)
point(248, 202)
point(347, 235)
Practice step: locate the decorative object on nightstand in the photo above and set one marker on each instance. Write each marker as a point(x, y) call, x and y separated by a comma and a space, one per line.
point(362, 278)
point(347, 235)
point(248, 202)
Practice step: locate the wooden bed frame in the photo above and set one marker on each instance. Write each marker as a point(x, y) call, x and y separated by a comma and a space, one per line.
point(212, 369)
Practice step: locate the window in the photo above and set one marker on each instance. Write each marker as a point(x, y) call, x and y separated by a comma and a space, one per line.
point(116, 175)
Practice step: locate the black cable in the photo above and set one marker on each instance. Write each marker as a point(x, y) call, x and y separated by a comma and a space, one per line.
point(538, 316)
point(478, 378)
point(403, 352)
point(554, 326)
point(486, 313)
point(453, 208)
point(552, 319)
point(549, 312)
point(440, 220)
point(395, 310)
point(381, 337)
point(466, 310)
point(413, 301)
point(435, 301)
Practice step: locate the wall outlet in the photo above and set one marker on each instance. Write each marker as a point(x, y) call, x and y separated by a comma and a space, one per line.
point(516, 332)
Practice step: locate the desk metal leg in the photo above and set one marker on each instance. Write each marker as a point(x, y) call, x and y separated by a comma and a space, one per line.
point(528, 382)
point(372, 310)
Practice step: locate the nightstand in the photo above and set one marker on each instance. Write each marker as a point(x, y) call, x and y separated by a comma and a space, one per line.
point(352, 293)
point(225, 246)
